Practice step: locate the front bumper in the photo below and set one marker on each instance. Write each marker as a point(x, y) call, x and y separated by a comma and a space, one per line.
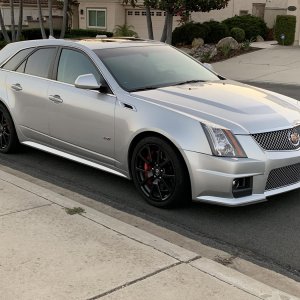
point(212, 177)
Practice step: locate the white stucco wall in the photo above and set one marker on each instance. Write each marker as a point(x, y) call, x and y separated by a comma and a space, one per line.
point(33, 11)
point(272, 8)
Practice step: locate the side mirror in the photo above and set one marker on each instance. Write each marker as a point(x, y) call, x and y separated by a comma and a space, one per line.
point(88, 82)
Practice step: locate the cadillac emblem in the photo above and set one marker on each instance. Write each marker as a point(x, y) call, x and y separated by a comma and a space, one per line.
point(294, 138)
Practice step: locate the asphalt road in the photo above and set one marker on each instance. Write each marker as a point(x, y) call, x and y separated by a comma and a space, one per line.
point(267, 233)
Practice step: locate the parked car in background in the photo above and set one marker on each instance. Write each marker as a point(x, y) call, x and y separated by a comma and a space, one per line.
point(148, 112)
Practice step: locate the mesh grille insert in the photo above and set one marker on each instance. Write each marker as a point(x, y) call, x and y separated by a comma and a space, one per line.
point(277, 140)
point(283, 177)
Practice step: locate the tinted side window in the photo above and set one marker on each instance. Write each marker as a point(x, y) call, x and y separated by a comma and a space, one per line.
point(21, 67)
point(40, 61)
point(72, 64)
point(17, 59)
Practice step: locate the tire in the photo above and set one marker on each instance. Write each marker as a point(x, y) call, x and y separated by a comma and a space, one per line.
point(159, 173)
point(9, 141)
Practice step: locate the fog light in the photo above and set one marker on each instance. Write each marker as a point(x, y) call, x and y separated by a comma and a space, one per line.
point(242, 187)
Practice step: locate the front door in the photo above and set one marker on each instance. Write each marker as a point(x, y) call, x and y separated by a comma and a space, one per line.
point(81, 121)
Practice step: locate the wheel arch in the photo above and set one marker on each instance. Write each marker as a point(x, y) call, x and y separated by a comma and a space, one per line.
point(4, 103)
point(145, 134)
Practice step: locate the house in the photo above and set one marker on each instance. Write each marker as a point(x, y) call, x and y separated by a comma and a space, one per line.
point(106, 14)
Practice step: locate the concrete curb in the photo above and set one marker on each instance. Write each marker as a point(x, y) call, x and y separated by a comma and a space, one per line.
point(239, 280)
point(204, 265)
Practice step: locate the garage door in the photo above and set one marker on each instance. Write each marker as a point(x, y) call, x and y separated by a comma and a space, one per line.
point(137, 18)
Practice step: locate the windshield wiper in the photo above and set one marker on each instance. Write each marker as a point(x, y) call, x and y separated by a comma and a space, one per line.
point(189, 81)
point(145, 88)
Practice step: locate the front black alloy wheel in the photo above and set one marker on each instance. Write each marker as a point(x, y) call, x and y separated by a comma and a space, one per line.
point(159, 173)
point(8, 137)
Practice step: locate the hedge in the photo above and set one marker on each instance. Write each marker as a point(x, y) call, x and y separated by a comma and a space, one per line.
point(285, 25)
point(35, 33)
point(87, 33)
point(186, 33)
point(217, 31)
point(253, 26)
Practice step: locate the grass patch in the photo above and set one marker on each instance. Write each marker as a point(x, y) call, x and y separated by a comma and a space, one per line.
point(74, 210)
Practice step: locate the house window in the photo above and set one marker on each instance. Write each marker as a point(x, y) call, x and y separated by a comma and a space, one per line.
point(136, 13)
point(158, 14)
point(244, 12)
point(130, 13)
point(144, 13)
point(152, 13)
point(96, 18)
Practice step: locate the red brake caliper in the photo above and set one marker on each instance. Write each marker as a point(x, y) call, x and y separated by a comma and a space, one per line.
point(147, 168)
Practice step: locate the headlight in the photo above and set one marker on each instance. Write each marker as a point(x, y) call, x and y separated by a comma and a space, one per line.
point(223, 142)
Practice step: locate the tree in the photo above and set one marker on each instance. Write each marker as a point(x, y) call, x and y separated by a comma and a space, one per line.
point(44, 36)
point(3, 29)
point(65, 18)
point(50, 18)
point(20, 22)
point(176, 7)
point(149, 23)
point(12, 18)
point(184, 7)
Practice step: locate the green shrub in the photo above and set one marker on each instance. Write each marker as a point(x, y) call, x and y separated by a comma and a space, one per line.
point(246, 45)
point(253, 26)
point(125, 30)
point(186, 33)
point(238, 34)
point(217, 31)
point(206, 56)
point(285, 25)
point(2, 44)
point(225, 50)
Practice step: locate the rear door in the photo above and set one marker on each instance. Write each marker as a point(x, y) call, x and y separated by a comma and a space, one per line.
point(27, 88)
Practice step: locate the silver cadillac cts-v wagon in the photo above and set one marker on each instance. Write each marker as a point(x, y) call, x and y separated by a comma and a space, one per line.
point(148, 112)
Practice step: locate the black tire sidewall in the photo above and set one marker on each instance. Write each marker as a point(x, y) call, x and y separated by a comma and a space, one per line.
point(13, 142)
point(181, 193)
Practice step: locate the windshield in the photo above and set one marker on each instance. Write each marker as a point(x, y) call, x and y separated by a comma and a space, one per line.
point(142, 68)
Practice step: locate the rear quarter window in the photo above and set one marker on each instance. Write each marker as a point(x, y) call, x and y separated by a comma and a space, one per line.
point(15, 61)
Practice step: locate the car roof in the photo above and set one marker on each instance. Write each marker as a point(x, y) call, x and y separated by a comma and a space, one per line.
point(91, 43)
point(115, 42)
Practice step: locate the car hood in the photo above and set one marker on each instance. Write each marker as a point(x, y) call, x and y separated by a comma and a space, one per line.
point(241, 108)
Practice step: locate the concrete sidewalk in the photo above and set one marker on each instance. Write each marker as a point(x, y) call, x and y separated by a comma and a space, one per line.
point(277, 64)
point(46, 253)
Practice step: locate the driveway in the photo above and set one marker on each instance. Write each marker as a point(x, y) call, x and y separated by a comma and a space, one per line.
point(278, 64)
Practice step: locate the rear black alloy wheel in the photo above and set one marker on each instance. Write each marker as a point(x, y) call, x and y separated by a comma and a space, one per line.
point(8, 137)
point(158, 173)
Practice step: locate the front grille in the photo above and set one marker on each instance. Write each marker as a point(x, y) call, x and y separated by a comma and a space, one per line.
point(283, 176)
point(277, 140)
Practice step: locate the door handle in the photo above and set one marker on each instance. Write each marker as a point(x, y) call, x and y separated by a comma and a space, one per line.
point(55, 99)
point(16, 87)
